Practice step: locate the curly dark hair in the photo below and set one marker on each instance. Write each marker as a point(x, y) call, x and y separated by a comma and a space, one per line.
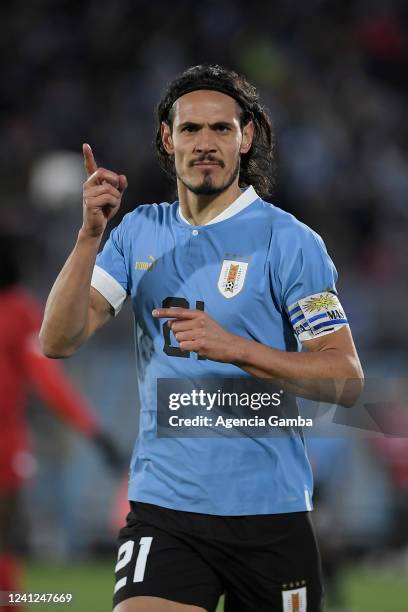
point(257, 166)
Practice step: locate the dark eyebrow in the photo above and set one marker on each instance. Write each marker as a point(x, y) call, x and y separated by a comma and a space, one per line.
point(188, 124)
point(215, 125)
point(222, 124)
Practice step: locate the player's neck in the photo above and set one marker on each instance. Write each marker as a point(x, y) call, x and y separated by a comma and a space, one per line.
point(201, 209)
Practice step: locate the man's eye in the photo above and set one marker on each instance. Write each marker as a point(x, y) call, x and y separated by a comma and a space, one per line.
point(222, 128)
point(189, 128)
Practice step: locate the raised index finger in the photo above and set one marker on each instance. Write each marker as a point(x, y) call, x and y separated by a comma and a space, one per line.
point(176, 313)
point(89, 160)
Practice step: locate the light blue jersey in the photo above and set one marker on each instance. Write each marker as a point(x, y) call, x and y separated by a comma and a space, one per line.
point(262, 275)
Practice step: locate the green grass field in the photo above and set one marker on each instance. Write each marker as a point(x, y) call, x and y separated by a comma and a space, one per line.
point(91, 585)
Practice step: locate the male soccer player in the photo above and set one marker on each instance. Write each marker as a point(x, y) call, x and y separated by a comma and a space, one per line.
point(238, 282)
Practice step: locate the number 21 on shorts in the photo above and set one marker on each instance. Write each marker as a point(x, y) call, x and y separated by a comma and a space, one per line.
point(125, 554)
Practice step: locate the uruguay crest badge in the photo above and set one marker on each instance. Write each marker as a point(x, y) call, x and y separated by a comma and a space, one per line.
point(232, 277)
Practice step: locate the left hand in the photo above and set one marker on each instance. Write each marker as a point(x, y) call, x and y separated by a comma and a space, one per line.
point(196, 331)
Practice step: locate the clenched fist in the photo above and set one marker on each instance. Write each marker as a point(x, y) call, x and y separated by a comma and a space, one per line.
point(102, 195)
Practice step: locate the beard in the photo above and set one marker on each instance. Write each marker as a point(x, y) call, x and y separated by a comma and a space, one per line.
point(207, 186)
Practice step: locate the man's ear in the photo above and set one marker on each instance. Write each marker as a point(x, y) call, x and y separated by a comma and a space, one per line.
point(247, 137)
point(166, 137)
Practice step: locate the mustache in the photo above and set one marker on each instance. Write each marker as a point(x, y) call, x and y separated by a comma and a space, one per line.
point(207, 158)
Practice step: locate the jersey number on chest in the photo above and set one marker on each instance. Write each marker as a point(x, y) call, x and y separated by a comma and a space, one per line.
point(176, 302)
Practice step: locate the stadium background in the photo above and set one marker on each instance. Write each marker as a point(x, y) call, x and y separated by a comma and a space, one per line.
point(333, 75)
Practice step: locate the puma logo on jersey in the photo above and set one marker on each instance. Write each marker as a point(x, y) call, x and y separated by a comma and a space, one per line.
point(145, 265)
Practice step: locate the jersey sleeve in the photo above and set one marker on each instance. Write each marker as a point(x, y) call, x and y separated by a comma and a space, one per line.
point(307, 280)
point(110, 276)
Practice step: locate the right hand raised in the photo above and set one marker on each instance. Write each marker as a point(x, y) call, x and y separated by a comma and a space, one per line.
point(102, 195)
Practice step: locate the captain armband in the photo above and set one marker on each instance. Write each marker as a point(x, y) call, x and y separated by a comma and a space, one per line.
point(316, 315)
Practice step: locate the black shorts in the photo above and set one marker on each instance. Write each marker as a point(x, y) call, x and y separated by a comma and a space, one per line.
point(262, 563)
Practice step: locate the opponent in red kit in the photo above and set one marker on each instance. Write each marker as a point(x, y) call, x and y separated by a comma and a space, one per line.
point(22, 365)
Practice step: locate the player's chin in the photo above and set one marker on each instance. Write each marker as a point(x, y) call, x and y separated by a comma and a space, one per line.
point(210, 188)
point(205, 187)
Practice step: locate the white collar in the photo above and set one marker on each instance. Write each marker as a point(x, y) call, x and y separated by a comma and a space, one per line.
point(245, 199)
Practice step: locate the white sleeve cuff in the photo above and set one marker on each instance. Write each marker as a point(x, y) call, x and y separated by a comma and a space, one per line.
point(109, 287)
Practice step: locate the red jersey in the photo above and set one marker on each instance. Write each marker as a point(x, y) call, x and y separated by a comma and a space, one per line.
point(22, 364)
point(20, 319)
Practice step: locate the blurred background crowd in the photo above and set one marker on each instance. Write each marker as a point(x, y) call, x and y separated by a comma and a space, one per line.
point(333, 75)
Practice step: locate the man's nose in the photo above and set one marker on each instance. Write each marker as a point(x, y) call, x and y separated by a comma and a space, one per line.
point(205, 142)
